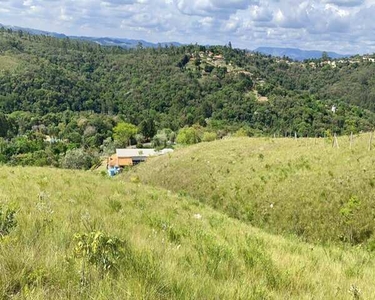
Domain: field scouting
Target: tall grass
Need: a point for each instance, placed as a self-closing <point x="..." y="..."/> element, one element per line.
<point x="303" y="187"/>
<point x="72" y="228"/>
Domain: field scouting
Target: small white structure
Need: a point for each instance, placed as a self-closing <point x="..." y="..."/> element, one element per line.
<point x="141" y="152"/>
<point x="130" y="157"/>
<point x="334" y="108"/>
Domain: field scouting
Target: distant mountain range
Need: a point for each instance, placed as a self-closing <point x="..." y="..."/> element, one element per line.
<point x="293" y="53"/>
<point x="104" y="41"/>
<point x="297" y="54"/>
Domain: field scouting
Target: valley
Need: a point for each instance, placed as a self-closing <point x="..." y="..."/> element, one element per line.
<point x="264" y="190"/>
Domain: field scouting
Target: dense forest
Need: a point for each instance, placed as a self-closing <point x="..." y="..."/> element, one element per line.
<point x="61" y="95"/>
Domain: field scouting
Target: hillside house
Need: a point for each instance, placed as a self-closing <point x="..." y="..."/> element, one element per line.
<point x="312" y="65"/>
<point x="131" y="157"/>
<point x="369" y="59"/>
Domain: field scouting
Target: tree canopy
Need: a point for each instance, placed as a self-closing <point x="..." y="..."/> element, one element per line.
<point x="61" y="94"/>
<point x="123" y="132"/>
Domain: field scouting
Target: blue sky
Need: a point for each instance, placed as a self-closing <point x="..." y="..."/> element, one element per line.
<point x="344" y="26"/>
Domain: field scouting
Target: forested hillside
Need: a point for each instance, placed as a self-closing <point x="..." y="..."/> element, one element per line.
<point x="76" y="93"/>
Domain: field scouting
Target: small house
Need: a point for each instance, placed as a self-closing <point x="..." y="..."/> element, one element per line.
<point x="131" y="157"/>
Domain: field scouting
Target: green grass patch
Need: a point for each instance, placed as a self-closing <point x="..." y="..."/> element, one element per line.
<point x="79" y="235"/>
<point x="8" y="63"/>
<point x="302" y="187"/>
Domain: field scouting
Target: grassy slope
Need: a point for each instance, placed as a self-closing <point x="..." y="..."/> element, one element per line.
<point x="302" y="187"/>
<point x="7" y="62"/>
<point x="173" y="254"/>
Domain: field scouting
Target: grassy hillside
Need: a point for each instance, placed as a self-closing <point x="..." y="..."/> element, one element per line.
<point x="147" y="243"/>
<point x="7" y="63"/>
<point x="303" y="187"/>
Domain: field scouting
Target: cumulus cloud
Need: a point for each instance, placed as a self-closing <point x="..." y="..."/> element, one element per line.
<point x="339" y="25"/>
<point x="220" y="8"/>
<point x="346" y="2"/>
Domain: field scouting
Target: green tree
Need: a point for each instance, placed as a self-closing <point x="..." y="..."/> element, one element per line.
<point x="325" y="56"/>
<point x="147" y="128"/>
<point x="79" y="159"/>
<point x="188" y="136"/>
<point x="123" y="133"/>
<point x="108" y="147"/>
<point x="4" y="126"/>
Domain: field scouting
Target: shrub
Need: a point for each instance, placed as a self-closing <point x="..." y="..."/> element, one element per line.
<point x="100" y="250"/>
<point x="79" y="159"/>
<point x="7" y="220"/>
<point x="241" y="132"/>
<point x="209" y="136"/>
<point x="108" y="147"/>
<point x="159" y="141"/>
<point x="348" y="212"/>
<point x="189" y="136"/>
<point x="38" y="158"/>
<point x="348" y="209"/>
<point x="163" y="138"/>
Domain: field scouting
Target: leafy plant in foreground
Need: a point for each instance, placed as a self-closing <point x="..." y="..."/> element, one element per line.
<point x="348" y="212"/>
<point x="7" y="220"/>
<point x="100" y="250"/>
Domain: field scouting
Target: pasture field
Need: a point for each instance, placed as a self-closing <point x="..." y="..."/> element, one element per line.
<point x="80" y="235"/>
<point x="302" y="187"/>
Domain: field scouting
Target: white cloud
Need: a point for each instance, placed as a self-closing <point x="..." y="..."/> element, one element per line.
<point x="349" y="3"/>
<point x="339" y="25"/>
<point x="219" y="8"/>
